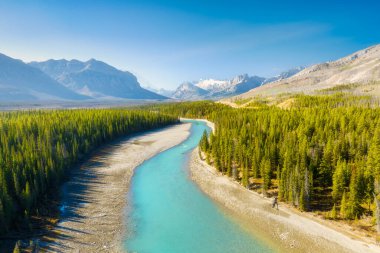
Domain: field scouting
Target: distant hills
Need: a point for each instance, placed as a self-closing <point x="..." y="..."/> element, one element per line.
<point x="67" y="80"/>
<point x="358" y="73"/>
<point x="217" y="89"/>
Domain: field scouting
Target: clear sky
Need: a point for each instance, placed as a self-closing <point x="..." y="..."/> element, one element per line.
<point x="167" y="42"/>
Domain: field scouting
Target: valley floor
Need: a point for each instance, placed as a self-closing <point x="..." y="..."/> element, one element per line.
<point x="286" y="230"/>
<point x="95" y="197"/>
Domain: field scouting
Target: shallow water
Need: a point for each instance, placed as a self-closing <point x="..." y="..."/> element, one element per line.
<point x="169" y="214"/>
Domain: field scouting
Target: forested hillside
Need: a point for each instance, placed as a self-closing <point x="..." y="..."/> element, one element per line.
<point x="37" y="149"/>
<point x="322" y="153"/>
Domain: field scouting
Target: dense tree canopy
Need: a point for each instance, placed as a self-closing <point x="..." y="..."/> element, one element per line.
<point x="37" y="148"/>
<point x="323" y="152"/>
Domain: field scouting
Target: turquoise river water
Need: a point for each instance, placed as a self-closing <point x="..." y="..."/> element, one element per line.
<point x="169" y="214"/>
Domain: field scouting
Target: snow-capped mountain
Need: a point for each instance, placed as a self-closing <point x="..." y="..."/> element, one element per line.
<point x="244" y="83"/>
<point x="284" y="75"/>
<point x="214" y="89"/>
<point x="21" y="82"/>
<point x="213" y="85"/>
<point x="188" y="91"/>
<point x="95" y="79"/>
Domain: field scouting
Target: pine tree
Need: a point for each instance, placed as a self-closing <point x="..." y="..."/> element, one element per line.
<point x="339" y="181"/>
<point x="304" y="192"/>
<point x="204" y="145"/>
<point x="325" y="169"/>
<point x="266" y="174"/>
<point x="302" y="202"/>
<point x="373" y="163"/>
<point x="343" y="206"/>
<point x="333" y="214"/>
<point x="354" y="202"/>
<point x="283" y="189"/>
<point x="245" y="177"/>
<point x="27" y="197"/>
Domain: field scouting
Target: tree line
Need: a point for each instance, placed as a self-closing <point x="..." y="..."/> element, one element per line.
<point x="322" y="153"/>
<point x="38" y="148"/>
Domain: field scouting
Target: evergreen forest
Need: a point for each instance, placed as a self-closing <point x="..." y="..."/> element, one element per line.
<point x="322" y="153"/>
<point x="38" y="149"/>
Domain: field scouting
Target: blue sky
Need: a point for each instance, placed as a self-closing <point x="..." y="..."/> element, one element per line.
<point x="167" y="42"/>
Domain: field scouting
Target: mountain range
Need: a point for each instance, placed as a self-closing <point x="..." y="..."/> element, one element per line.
<point x="21" y="82"/>
<point x="67" y="80"/>
<point x="358" y="73"/>
<point x="217" y="89"/>
<point x="95" y="79"/>
<point x="85" y="80"/>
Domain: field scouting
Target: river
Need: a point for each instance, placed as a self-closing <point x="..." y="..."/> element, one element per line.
<point x="167" y="213"/>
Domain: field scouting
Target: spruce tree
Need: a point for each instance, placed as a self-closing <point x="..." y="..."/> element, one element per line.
<point x="343" y="206"/>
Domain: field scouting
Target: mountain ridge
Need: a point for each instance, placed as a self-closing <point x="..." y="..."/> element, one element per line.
<point x="19" y="81"/>
<point x="95" y="78"/>
<point x="218" y="89"/>
<point x="361" y="68"/>
<point x="189" y="91"/>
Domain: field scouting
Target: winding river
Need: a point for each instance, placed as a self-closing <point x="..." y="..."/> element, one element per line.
<point x="169" y="214"/>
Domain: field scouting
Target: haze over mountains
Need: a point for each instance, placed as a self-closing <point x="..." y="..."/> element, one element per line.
<point x="67" y="80"/>
<point x="160" y="91"/>
<point x="20" y="82"/>
<point x="95" y="79"/>
<point x="358" y="73"/>
<point x="77" y="80"/>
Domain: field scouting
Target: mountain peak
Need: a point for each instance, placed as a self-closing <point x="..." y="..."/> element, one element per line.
<point x="20" y="81"/>
<point x="239" y="79"/>
<point x="216" y="89"/>
<point x="100" y="66"/>
<point x="95" y="78"/>
<point x="189" y="91"/>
